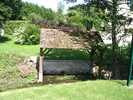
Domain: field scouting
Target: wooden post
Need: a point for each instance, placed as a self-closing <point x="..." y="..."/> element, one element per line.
<point x="41" y="65"/>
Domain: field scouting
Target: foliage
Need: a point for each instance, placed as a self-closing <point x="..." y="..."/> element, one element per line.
<point x="91" y="16"/>
<point x="106" y="13"/>
<point x="23" y="32"/>
<point x="35" y="18"/>
<point x="59" y="20"/>
<point x="39" y="14"/>
<point x="16" y="6"/>
<point x="11" y="25"/>
<point x="74" y="17"/>
<point x="27" y="34"/>
<point x="28" y="9"/>
<point x="5" y="13"/>
<point x="10" y="9"/>
<point x="66" y="54"/>
<point x="122" y="55"/>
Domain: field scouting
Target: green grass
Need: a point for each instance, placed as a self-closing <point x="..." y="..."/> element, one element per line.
<point x="31" y="50"/>
<point x="21" y="50"/>
<point x="89" y="90"/>
<point x="10" y="77"/>
<point x="12" y="54"/>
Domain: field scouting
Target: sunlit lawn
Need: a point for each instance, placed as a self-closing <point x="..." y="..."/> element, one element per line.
<point x="22" y="50"/>
<point x="89" y="90"/>
<point x="33" y="50"/>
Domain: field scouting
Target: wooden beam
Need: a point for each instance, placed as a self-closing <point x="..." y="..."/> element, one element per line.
<point x="41" y="65"/>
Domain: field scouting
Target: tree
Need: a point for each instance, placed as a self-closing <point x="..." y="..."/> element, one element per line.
<point x="116" y="21"/>
<point x="91" y="16"/>
<point x="114" y="41"/>
<point x="28" y="9"/>
<point x="60" y="7"/>
<point x="9" y="9"/>
<point x="16" y="6"/>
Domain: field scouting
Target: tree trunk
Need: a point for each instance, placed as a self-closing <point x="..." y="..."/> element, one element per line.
<point x="114" y="40"/>
<point x="92" y="53"/>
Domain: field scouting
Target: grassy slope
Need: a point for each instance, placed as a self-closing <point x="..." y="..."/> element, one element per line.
<point x="12" y="54"/>
<point x="89" y="90"/>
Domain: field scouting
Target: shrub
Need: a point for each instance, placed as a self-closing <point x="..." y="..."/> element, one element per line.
<point x="11" y="25"/>
<point x="34" y="18"/>
<point x="76" y="19"/>
<point x="28" y="34"/>
<point x="122" y="55"/>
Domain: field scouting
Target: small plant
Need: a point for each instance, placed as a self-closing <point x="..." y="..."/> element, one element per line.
<point x="27" y="34"/>
<point x="11" y="25"/>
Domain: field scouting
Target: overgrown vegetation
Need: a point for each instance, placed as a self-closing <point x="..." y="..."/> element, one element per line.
<point x="9" y="75"/>
<point x="11" y="55"/>
<point x="10" y="26"/>
<point x="23" y="32"/>
<point x="27" y="34"/>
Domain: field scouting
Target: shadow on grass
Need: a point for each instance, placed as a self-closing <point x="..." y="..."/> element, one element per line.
<point x="121" y="82"/>
<point x="60" y="79"/>
<point x="50" y="79"/>
<point x="4" y="39"/>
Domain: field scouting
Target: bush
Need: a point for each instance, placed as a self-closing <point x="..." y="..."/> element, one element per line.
<point x="11" y="25"/>
<point x="76" y="19"/>
<point x="34" y="18"/>
<point x="103" y="55"/>
<point x="28" y="34"/>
